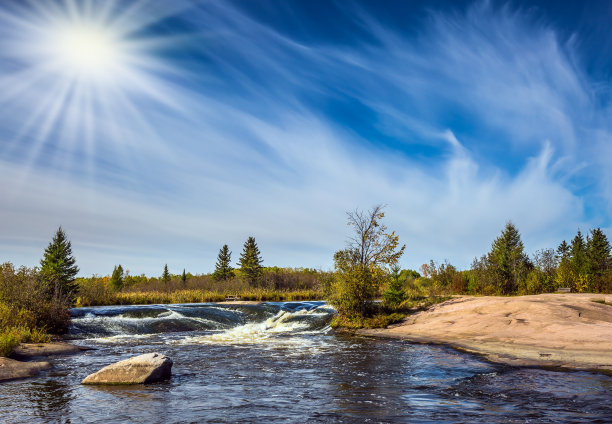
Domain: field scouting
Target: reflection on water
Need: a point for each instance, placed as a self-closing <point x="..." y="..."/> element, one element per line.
<point x="291" y="369"/>
<point x="50" y="396"/>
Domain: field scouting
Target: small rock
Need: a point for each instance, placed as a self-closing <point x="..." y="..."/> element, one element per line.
<point x="147" y="368"/>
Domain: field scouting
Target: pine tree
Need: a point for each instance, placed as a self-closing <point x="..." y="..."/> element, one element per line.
<point x="223" y="267"/>
<point x="564" y="275"/>
<point x="184" y="277"/>
<point x="166" y="275"/>
<point x="250" y="262"/>
<point x="116" y="280"/>
<point x="395" y="294"/>
<point x="563" y="251"/>
<point x="598" y="257"/>
<point x="509" y="260"/>
<point x="578" y="255"/>
<point x="58" y="267"/>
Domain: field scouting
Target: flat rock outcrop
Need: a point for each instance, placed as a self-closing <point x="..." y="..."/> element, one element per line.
<point x="33" y="350"/>
<point x="556" y="330"/>
<point x="11" y="369"/>
<point x="147" y="368"/>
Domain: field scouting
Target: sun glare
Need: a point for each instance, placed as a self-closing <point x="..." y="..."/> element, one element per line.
<point x="87" y="50"/>
<point x="80" y="69"/>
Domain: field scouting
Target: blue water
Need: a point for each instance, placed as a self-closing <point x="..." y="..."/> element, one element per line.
<point x="281" y="363"/>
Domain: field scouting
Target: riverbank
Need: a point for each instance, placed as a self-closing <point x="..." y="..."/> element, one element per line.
<point x="569" y="331"/>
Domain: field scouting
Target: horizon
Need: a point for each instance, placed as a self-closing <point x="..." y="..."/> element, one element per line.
<point x="156" y="133"/>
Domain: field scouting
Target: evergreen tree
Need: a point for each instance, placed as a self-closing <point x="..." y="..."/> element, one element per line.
<point x="58" y="266"/>
<point x="184" y="277"/>
<point x="509" y="261"/>
<point x="563" y="251"/>
<point x="223" y="267"/>
<point x="116" y="280"/>
<point x="578" y="255"/>
<point x="395" y="294"/>
<point x="250" y="262"/>
<point x="166" y="275"/>
<point x="598" y="257"/>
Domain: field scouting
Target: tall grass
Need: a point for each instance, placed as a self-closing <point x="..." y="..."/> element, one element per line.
<point x="277" y="284"/>
<point x="198" y="296"/>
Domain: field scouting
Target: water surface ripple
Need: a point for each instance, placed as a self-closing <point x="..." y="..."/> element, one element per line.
<point x="279" y="362"/>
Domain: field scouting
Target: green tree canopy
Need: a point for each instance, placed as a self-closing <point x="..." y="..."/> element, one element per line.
<point x="184" y="277"/>
<point x="363" y="266"/>
<point x="166" y="275"/>
<point x="395" y="293"/>
<point x="578" y="255"/>
<point x="563" y="251"/>
<point x="116" y="280"/>
<point x="598" y="258"/>
<point x="58" y="266"/>
<point x="509" y="261"/>
<point x="223" y="267"/>
<point x="250" y="262"/>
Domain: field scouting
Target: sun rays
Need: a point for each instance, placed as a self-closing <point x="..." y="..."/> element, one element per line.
<point x="77" y="71"/>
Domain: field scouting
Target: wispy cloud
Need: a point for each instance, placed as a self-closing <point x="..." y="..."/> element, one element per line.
<point x="480" y="116"/>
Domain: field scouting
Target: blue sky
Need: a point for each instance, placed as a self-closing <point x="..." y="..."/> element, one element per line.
<point x="155" y="132"/>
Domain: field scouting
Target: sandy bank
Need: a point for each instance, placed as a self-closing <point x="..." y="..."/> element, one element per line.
<point x="13" y="368"/>
<point x="555" y="330"/>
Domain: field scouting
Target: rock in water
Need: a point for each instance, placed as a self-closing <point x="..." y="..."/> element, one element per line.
<point x="147" y="368"/>
<point x="12" y="370"/>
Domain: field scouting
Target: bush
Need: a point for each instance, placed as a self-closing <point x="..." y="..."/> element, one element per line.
<point x="16" y="326"/>
<point x="29" y="294"/>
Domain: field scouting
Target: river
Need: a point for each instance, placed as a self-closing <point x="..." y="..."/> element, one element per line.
<point x="280" y="362"/>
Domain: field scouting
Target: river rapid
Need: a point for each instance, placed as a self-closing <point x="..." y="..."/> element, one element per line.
<point x="281" y="362"/>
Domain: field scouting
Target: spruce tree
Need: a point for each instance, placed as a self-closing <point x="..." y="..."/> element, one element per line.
<point x="509" y="260"/>
<point x="578" y="255"/>
<point x="250" y="262"/>
<point x="223" y="267"/>
<point x="166" y="274"/>
<point x="598" y="257"/>
<point x="564" y="275"/>
<point x="563" y="250"/>
<point x="58" y="267"/>
<point x="116" y="280"/>
<point x="395" y="294"/>
<point x="184" y="277"/>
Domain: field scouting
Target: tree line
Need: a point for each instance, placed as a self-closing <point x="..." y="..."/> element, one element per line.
<point x="36" y="301"/>
<point x="367" y="269"/>
<point x="250" y="268"/>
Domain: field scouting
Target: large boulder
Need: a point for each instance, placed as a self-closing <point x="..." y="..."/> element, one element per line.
<point x="147" y="368"/>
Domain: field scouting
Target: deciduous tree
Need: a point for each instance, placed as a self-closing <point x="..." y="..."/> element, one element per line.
<point x="363" y="266"/>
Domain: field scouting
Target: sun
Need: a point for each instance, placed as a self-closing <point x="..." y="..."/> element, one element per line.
<point x="76" y="74"/>
<point x="86" y="49"/>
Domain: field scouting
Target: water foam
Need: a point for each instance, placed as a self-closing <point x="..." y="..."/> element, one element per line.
<point x="277" y="329"/>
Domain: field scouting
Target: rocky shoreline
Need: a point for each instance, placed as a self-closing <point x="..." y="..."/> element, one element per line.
<point x="561" y="331"/>
<point x="22" y="362"/>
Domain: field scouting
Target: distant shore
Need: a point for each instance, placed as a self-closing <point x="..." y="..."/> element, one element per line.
<point x="568" y="331"/>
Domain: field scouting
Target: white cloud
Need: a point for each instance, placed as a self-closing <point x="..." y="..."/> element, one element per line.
<point x="273" y="166"/>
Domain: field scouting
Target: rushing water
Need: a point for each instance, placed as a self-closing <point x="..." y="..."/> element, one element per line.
<point x="279" y="362"/>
